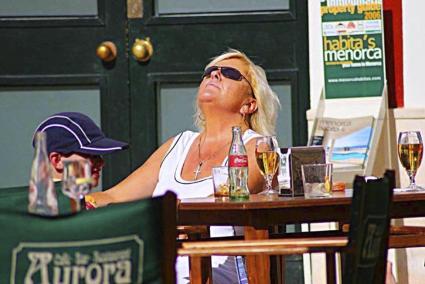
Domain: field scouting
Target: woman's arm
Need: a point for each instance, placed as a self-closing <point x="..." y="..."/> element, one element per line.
<point x="139" y="184"/>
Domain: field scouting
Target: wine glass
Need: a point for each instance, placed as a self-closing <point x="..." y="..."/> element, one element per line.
<point x="76" y="180"/>
<point x="410" y="150"/>
<point x="266" y="153"/>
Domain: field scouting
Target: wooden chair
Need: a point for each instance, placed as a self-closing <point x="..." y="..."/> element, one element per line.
<point x="365" y="249"/>
<point x="366" y="252"/>
<point x="124" y="243"/>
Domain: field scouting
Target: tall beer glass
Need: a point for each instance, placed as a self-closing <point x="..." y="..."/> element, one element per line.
<point x="76" y="181"/>
<point x="410" y="151"/>
<point x="268" y="160"/>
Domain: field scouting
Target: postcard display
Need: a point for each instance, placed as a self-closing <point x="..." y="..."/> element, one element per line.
<point x="354" y="71"/>
<point x="350" y="119"/>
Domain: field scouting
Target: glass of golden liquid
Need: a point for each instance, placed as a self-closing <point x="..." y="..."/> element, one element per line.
<point x="410" y="151"/>
<point x="268" y="160"/>
<point x="76" y="181"/>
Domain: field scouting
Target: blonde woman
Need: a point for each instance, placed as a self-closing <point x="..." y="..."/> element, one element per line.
<point x="233" y="92"/>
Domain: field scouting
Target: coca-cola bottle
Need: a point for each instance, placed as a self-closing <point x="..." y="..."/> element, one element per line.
<point x="238" y="167"/>
<point x="42" y="195"/>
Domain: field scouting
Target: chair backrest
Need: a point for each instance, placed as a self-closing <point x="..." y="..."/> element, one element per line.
<point x="124" y="243"/>
<point x="366" y="255"/>
<point x="16" y="198"/>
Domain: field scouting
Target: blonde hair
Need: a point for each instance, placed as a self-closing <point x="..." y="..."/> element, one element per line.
<point x="263" y="120"/>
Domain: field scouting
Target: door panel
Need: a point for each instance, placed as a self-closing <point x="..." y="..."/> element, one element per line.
<point x="58" y="50"/>
<point x="22" y="109"/>
<point x="284" y="125"/>
<point x="169" y="7"/>
<point x="176" y="106"/>
<point x="55" y="49"/>
<point x="173" y="101"/>
<point x="185" y="42"/>
<point x="225" y="11"/>
<point x="43" y="8"/>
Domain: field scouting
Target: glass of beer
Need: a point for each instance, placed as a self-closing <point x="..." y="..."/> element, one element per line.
<point x="76" y="181"/>
<point x="410" y="151"/>
<point x="268" y="159"/>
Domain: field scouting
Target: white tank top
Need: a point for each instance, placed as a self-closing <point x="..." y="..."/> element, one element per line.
<point x="171" y="167"/>
<point x="170" y="179"/>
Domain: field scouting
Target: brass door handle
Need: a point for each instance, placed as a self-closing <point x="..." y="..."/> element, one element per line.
<point x="142" y="49"/>
<point x="107" y="51"/>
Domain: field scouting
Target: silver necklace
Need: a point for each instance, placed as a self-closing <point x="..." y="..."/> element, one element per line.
<point x="201" y="162"/>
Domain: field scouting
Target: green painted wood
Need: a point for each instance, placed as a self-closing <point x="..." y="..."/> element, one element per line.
<point x="184" y="45"/>
<point x="143" y="250"/>
<point x="365" y="258"/>
<point x="16" y="199"/>
<point x="59" y="52"/>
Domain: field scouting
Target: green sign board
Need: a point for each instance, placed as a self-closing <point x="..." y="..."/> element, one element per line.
<point x="96" y="261"/>
<point x="117" y="244"/>
<point x="353" y="50"/>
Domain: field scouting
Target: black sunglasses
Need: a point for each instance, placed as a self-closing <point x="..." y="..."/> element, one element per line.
<point x="228" y="72"/>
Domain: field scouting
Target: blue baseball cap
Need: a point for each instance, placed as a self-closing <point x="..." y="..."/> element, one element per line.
<point x="74" y="132"/>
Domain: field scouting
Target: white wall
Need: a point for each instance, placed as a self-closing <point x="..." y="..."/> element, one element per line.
<point x="413" y="49"/>
<point x="316" y="52"/>
<point x="414" y="57"/>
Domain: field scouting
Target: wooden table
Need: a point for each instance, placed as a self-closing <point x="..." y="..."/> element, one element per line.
<point x="260" y="212"/>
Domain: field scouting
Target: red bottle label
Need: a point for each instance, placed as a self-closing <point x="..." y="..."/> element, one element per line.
<point x="238" y="161"/>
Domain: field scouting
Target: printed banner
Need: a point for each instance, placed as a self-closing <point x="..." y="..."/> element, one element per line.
<point x="353" y="50"/>
<point x="115" y="260"/>
<point x="121" y="243"/>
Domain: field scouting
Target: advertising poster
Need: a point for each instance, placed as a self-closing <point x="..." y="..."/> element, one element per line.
<point x="346" y="141"/>
<point x="353" y="50"/>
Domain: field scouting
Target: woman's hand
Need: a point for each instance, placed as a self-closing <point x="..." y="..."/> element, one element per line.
<point x="90" y="202"/>
<point x="96" y="199"/>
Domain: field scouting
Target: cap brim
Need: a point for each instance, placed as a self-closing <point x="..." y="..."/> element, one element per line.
<point x="103" y="146"/>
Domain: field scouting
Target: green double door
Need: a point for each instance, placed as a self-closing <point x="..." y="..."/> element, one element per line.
<point x="48" y="63"/>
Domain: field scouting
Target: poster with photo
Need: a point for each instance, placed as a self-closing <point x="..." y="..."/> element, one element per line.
<point x="346" y="141"/>
<point x="353" y="49"/>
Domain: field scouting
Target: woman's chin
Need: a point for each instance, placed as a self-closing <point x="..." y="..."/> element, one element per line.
<point x="206" y="98"/>
<point x="209" y="92"/>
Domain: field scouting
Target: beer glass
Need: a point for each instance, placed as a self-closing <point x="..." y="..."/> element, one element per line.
<point x="410" y="151"/>
<point x="76" y="180"/>
<point x="267" y="160"/>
